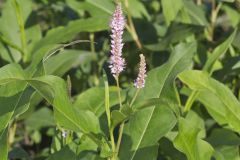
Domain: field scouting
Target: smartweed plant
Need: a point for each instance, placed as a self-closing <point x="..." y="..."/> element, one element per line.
<point x="183" y="104"/>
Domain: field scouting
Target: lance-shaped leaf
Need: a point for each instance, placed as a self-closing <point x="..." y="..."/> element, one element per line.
<point x="201" y="81"/>
<point x="189" y="138"/>
<point x="54" y="90"/>
<point x="147" y="126"/>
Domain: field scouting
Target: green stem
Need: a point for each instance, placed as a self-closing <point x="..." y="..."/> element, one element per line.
<point x="107" y="108"/>
<point x="9" y="43"/>
<point x="22" y="30"/>
<point x="190" y="101"/>
<point x="134" y="98"/>
<point x="131" y="28"/>
<point x="122" y="124"/>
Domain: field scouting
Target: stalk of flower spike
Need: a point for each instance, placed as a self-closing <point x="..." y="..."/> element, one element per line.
<point x="117" y="62"/>
<point x="140" y="81"/>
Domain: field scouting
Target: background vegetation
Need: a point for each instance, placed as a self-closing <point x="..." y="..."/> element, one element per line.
<point x="70" y="39"/>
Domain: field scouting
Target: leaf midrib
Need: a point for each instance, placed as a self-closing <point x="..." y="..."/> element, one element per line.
<point x="167" y="75"/>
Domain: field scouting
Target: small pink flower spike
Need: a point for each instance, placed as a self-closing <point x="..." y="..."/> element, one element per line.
<point x="117" y="63"/>
<point x="140" y="81"/>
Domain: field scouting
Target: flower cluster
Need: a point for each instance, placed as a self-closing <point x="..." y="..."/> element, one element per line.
<point x="117" y="63"/>
<point x="140" y="81"/>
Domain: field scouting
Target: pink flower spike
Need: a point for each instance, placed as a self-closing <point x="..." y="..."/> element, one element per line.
<point x="117" y="63"/>
<point x="140" y="81"/>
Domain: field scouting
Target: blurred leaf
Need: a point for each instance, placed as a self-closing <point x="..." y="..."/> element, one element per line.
<point x="230" y="138"/>
<point x="228" y="0"/>
<point x="175" y="33"/>
<point x="197" y="15"/>
<point x="227" y="153"/>
<point x="232" y="14"/>
<point x="63" y="154"/>
<point x="189" y="140"/>
<point x="67" y="59"/>
<point x="218" y="51"/>
<point x="18" y="153"/>
<point x="170" y="11"/>
<point x="201" y="81"/>
<point x="3" y="145"/>
<point x="104" y="5"/>
<point x="137" y="9"/>
<point x="147" y="126"/>
<point x="40" y="118"/>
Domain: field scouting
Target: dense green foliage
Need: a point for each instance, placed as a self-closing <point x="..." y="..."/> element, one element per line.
<point x="56" y="86"/>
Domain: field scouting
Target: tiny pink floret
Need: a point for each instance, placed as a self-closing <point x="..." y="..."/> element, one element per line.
<point x="117" y="24"/>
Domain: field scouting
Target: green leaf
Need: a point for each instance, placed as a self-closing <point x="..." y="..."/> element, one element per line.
<point x="40" y="118"/>
<point x="170" y="11"/>
<point x="93" y="100"/>
<point x="67" y="59"/>
<point x="64" y="34"/>
<point x="208" y="67"/>
<point x="201" y="81"/>
<point x="227" y="152"/>
<point x="105" y="5"/>
<point x="231" y="1"/>
<point x="230" y="138"/>
<point x="54" y="90"/>
<point x="3" y="145"/>
<point x="117" y="118"/>
<point x="137" y="9"/>
<point x="147" y="126"/>
<point x="189" y="140"/>
<point x="14" y="94"/>
<point x="218" y="51"/>
<point x="210" y="101"/>
<point x="196" y="14"/>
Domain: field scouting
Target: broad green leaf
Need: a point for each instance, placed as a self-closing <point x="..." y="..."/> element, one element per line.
<point x="147" y="126"/>
<point x="14" y="96"/>
<point x="201" y="81"/>
<point x="93" y="100"/>
<point x="212" y="103"/>
<point x="54" y="90"/>
<point x="189" y="140"/>
<point x="170" y="11"/>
